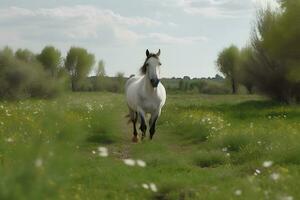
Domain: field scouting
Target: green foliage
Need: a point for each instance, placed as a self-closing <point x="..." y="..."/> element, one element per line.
<point x="100" y="71"/>
<point x="227" y="63"/>
<point x="21" y="76"/>
<point x="212" y="87"/>
<point x="51" y="60"/>
<point x="25" y="55"/>
<point x="244" y="69"/>
<point x="271" y="64"/>
<point x="78" y="63"/>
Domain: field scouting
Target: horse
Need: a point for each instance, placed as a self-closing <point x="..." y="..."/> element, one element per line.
<point x="145" y="95"/>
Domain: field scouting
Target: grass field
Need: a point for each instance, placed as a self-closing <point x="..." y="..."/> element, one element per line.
<point x="206" y="147"/>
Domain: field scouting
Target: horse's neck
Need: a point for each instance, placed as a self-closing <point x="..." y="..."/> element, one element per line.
<point x="147" y="85"/>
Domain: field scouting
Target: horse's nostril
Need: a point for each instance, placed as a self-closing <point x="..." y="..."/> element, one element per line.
<point x="154" y="82"/>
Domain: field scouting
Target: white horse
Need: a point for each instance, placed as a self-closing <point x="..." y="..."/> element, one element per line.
<point x="145" y="95"/>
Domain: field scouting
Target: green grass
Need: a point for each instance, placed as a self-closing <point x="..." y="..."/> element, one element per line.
<point x="206" y="147"/>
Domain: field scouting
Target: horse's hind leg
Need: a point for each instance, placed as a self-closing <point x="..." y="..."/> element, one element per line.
<point x="133" y="116"/>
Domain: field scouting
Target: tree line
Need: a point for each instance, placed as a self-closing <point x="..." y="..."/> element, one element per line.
<point x="270" y="63"/>
<point x="46" y="74"/>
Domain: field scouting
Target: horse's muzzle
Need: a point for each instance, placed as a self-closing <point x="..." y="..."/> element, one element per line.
<point x="154" y="82"/>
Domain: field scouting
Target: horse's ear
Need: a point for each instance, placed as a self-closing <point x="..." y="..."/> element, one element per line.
<point x="158" y="53"/>
<point x="147" y="53"/>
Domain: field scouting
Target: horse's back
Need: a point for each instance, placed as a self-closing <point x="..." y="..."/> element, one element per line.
<point x="129" y="81"/>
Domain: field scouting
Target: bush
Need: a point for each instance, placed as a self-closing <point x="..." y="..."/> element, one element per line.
<point x="21" y="77"/>
<point x="212" y="87"/>
<point x="275" y="69"/>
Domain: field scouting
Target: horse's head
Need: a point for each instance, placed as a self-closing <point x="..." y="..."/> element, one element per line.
<point x="151" y="67"/>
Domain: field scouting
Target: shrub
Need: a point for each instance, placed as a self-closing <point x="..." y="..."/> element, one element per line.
<point x="21" y="77"/>
<point x="275" y="71"/>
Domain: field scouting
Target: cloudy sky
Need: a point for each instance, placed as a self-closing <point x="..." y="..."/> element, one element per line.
<point x="190" y="33"/>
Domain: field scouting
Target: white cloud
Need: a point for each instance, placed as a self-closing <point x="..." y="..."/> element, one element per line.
<point x="69" y="23"/>
<point x="168" y="39"/>
<point x="220" y="8"/>
<point x="78" y="11"/>
<point x="86" y="24"/>
<point x="172" y="24"/>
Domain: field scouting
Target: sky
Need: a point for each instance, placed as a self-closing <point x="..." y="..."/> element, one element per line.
<point x="190" y="33"/>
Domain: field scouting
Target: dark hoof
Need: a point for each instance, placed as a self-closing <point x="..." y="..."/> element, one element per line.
<point x="135" y="139"/>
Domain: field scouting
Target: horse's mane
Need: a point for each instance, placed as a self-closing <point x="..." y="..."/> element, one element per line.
<point x="143" y="69"/>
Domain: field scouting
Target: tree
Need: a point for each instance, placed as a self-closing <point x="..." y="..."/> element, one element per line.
<point x="100" y="69"/>
<point x="25" y="55"/>
<point x="78" y="63"/>
<point x="244" y="69"/>
<point x="51" y="59"/>
<point x="227" y="64"/>
<point x="275" y="41"/>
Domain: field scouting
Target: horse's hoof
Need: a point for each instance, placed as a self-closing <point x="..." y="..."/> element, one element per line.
<point x="135" y="139"/>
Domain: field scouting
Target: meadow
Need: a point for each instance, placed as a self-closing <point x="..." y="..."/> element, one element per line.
<point x="78" y="146"/>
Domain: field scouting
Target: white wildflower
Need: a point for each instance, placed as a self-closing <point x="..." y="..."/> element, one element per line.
<point x="238" y="192"/>
<point x="251" y="125"/>
<point x="267" y="163"/>
<point x="259" y="142"/>
<point x="94" y="152"/>
<point x="38" y="162"/>
<point x="103" y="154"/>
<point x="89" y="107"/>
<point x="9" y="140"/>
<point x="257" y="172"/>
<point x="225" y="149"/>
<point x="145" y="186"/>
<point x="129" y="162"/>
<point x="141" y="163"/>
<point x="287" y="198"/>
<point x="153" y="187"/>
<point x="102" y="149"/>
<point x="275" y="176"/>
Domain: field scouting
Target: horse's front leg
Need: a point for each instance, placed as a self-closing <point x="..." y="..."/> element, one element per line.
<point x="152" y="123"/>
<point x="143" y="126"/>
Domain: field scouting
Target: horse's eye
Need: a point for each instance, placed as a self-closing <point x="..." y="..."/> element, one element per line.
<point x="159" y="63"/>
